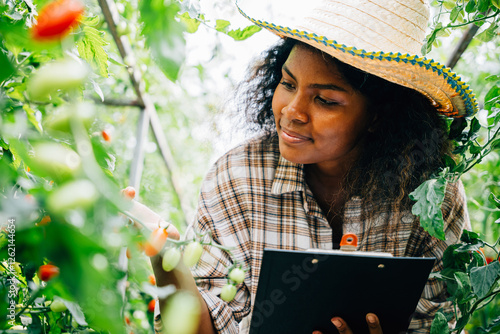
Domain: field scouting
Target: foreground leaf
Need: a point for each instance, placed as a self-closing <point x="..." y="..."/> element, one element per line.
<point x="439" y="324"/>
<point x="429" y="197"/>
<point x="90" y="48"/>
<point x="483" y="278"/>
<point x="164" y="35"/>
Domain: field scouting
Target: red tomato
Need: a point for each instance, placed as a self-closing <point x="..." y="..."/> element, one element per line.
<point x="156" y="241"/>
<point x="129" y="192"/>
<point x="151" y="305"/>
<point x="47" y="271"/>
<point x="44" y="221"/>
<point x="152" y="279"/>
<point x="56" y="19"/>
<point x="106" y="136"/>
<point x="127" y="320"/>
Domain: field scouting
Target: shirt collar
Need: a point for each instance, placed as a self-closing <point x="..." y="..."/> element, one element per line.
<point x="289" y="177"/>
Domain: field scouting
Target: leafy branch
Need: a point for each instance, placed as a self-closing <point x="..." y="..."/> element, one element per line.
<point x="471" y="282"/>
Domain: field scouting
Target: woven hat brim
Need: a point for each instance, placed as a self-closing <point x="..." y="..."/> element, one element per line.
<point x="450" y="95"/>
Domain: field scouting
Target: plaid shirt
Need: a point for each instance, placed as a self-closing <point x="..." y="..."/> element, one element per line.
<point x="252" y="198"/>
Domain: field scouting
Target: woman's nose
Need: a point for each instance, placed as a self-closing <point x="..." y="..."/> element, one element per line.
<point x="296" y="109"/>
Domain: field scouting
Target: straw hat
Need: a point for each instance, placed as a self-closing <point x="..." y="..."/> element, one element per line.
<point x="384" y="38"/>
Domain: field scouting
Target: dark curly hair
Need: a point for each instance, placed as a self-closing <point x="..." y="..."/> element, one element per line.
<point x="405" y="147"/>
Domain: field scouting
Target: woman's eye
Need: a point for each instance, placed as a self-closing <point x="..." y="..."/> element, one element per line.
<point x="287" y="85"/>
<point x="326" y="102"/>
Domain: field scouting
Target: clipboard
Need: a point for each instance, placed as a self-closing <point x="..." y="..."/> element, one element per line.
<point x="300" y="291"/>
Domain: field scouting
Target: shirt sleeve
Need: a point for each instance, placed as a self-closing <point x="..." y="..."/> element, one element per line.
<point x="221" y="210"/>
<point x="456" y="219"/>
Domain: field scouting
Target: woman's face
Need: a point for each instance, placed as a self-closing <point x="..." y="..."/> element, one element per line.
<point x="319" y="117"/>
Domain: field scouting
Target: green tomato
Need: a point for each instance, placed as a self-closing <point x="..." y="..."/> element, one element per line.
<point x="79" y="194"/>
<point x="59" y="120"/>
<point x="237" y="275"/>
<point x="55" y="160"/>
<point x="58" y="306"/>
<point x="182" y="313"/>
<point x="228" y="292"/>
<point x="62" y="75"/>
<point x="171" y="258"/>
<point x="192" y="253"/>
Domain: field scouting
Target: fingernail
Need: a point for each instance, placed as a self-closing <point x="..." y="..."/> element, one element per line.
<point x="337" y="323"/>
<point x="371" y="319"/>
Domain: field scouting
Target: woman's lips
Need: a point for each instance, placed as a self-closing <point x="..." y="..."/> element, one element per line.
<point x="293" y="137"/>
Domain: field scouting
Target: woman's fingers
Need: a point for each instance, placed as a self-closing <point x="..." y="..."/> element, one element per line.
<point x="371" y="320"/>
<point x="341" y="325"/>
<point x="373" y="324"/>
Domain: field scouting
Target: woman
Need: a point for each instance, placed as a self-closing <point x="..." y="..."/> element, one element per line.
<point x="350" y="128"/>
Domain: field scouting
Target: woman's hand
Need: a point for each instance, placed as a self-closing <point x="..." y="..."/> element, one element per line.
<point x="343" y="327"/>
<point x="146" y="216"/>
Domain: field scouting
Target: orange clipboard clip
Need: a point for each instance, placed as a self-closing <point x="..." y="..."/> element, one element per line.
<point x="349" y="242"/>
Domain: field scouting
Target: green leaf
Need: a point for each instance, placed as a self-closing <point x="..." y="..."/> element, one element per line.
<point x="90" y="48"/>
<point x="164" y="35"/>
<point x="439" y="324"/>
<point x="471" y="6"/>
<point x="75" y="311"/>
<point x="449" y="162"/>
<point x="474" y="126"/>
<point x="483" y="5"/>
<point x="30" y="112"/>
<point x="457" y="127"/>
<point x="483" y="278"/>
<point x="471" y="237"/>
<point x="239" y="35"/>
<point x="463" y="287"/>
<point x="495" y="200"/>
<point x="491" y="97"/>
<point x="454" y="260"/>
<point x="222" y="25"/>
<point x="191" y="24"/>
<point x="474" y="149"/>
<point x="493" y="327"/>
<point x="455" y="12"/>
<point x="492" y="77"/>
<point x="488" y="34"/>
<point x="6" y="68"/>
<point x="429" y="197"/>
